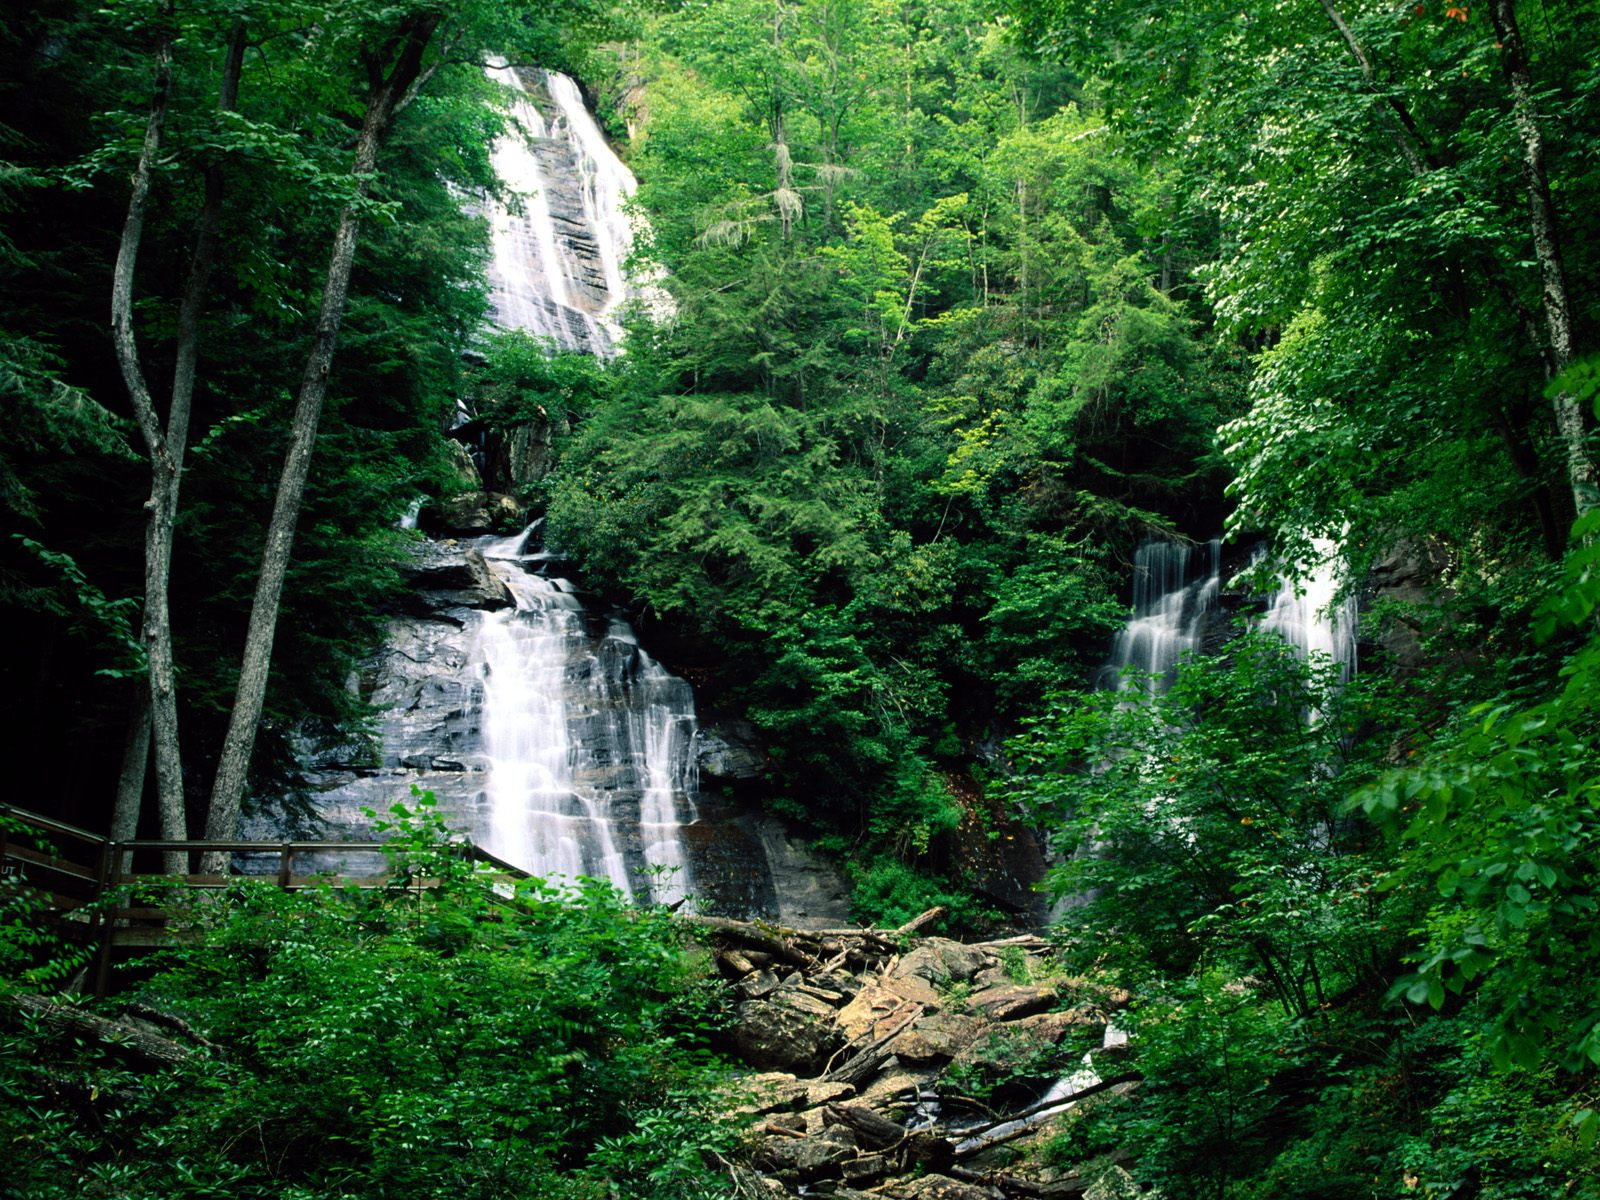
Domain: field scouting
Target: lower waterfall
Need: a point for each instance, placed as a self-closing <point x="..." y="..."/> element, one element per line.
<point x="1175" y="594"/>
<point x="542" y="729"/>
<point x="588" y="742"/>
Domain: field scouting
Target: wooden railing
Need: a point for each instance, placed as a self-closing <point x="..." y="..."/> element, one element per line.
<point x="86" y="880"/>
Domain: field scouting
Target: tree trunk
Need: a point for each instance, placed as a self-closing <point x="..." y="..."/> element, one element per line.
<point x="135" y="766"/>
<point x="159" y="717"/>
<point x="222" y="823"/>
<point x="1401" y="125"/>
<point x="1571" y="425"/>
<point x="158" y="512"/>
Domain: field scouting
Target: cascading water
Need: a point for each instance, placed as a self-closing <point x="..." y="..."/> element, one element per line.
<point x="544" y="732"/>
<point x="559" y="260"/>
<point x="589" y="742"/>
<point x="1175" y="591"/>
<point x="1305" y="614"/>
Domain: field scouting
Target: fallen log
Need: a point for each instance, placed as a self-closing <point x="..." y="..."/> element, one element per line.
<point x="1014" y="1127"/>
<point x="773" y="939"/>
<point x="865" y="1063"/>
<point x="139" y="1046"/>
<point x="873" y="1130"/>
<point x="918" y="921"/>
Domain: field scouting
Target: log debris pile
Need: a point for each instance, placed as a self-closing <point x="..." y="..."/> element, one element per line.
<point x="889" y="1065"/>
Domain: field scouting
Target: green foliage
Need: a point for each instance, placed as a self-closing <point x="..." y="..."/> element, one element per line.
<point x="888" y="893"/>
<point x="1498" y="819"/>
<point x="1201" y="825"/>
<point x="918" y="391"/>
<point x="450" y="1040"/>
<point x="31" y="955"/>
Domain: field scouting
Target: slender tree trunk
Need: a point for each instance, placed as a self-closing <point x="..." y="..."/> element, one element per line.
<point x="158" y="512"/>
<point x="1401" y="125"/>
<point x="1571" y="425"/>
<point x="159" y="716"/>
<point x="222" y="823"/>
<point x="135" y="766"/>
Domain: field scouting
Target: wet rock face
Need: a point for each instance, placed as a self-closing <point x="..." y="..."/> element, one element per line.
<point x="472" y="514"/>
<point x="430" y="689"/>
<point x="732" y="750"/>
<point x="446" y="576"/>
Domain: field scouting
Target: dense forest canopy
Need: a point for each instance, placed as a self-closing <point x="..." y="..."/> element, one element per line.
<point x="966" y="305"/>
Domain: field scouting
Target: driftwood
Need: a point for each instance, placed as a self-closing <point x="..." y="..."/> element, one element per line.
<point x="865" y="1063"/>
<point x="873" y="1131"/>
<point x="1030" y="1119"/>
<point x="139" y="1046"/>
<point x="917" y="922"/>
<point x="1069" y="1187"/>
<point x="772" y="939"/>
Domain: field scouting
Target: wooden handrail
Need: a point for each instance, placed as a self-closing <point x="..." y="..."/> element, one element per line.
<point x="250" y="847"/>
<point x="51" y="825"/>
<point x="107" y="869"/>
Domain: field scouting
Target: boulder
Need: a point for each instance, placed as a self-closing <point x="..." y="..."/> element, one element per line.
<point x="898" y="1083"/>
<point x="467" y="514"/>
<point x="937" y="1036"/>
<point x="1113" y="1184"/>
<point x="773" y="1091"/>
<point x="942" y="1187"/>
<point x="1053" y="1026"/>
<point x="942" y="962"/>
<point x="731" y="750"/>
<point x="808" y="1158"/>
<point x="448" y="575"/>
<point x="865" y="1170"/>
<point x="463" y="470"/>
<point x="877" y="1007"/>
<point x="787" y="1031"/>
<point x="757" y="985"/>
<point x="474" y="513"/>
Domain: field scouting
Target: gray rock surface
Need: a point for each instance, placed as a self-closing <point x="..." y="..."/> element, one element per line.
<point x="732" y="750"/>
<point x="787" y="1031"/>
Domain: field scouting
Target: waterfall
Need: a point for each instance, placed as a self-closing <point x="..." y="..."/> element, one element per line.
<point x="588" y="741"/>
<point x="560" y="253"/>
<point x="1175" y="591"/>
<point x="543" y="730"/>
<point x="1305" y="614"/>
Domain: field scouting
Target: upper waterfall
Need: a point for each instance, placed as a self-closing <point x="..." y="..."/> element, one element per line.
<point x="560" y="251"/>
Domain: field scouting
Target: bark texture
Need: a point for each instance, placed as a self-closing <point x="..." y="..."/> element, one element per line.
<point x="1571" y="425"/>
<point x="158" y="719"/>
<point x="158" y="508"/>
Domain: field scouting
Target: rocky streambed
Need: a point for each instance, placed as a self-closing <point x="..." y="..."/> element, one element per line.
<point x="882" y="1064"/>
